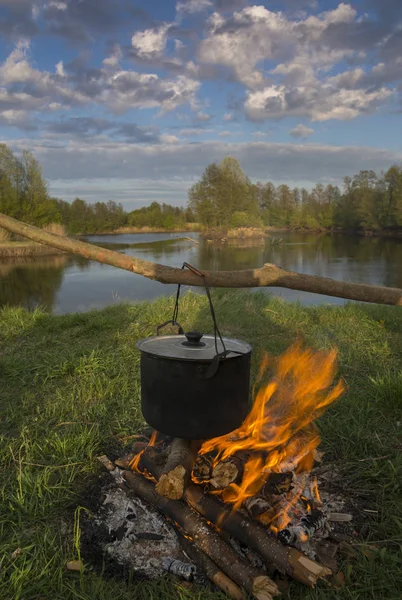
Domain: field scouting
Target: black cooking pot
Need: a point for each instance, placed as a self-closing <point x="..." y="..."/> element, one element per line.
<point x="194" y="386"/>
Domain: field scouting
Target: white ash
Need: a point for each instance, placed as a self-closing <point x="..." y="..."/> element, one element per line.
<point x="130" y="520"/>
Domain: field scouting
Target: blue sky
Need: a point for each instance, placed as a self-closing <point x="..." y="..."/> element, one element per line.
<point x="130" y="100"/>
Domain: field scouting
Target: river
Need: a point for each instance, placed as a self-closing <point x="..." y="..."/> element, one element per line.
<point x="65" y="284"/>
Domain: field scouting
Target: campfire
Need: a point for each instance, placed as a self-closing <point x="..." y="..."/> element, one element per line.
<point x="245" y="506"/>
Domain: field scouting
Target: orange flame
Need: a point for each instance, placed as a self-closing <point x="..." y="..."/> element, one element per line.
<point x="280" y="429"/>
<point x="136" y="460"/>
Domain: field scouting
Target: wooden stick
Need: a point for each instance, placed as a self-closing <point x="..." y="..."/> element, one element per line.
<point x="207" y="566"/>
<point x="288" y="561"/>
<point x="205" y="538"/>
<point x="266" y="276"/>
<point x="178" y="467"/>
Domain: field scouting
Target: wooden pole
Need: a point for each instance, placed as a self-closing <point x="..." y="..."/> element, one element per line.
<point x="266" y="276"/>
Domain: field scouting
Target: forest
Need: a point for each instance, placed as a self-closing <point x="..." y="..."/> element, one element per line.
<point x="226" y="198"/>
<point x="223" y="198"/>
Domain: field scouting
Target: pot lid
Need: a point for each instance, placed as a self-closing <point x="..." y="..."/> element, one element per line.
<point x="193" y="346"/>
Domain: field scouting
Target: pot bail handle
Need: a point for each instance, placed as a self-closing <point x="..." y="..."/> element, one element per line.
<point x="214" y="365"/>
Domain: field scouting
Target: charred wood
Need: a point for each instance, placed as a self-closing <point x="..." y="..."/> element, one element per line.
<point x="210" y="569"/>
<point x="302" y="532"/>
<point x="277" y="483"/>
<point x="205" y="538"/>
<point x="288" y="561"/>
<point x="202" y="470"/>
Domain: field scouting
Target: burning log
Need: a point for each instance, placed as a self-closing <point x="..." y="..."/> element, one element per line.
<point x="256" y="506"/>
<point x="207" y="566"/>
<point x="308" y="525"/>
<point x="288" y="561"/>
<point x="207" y="540"/>
<point x="228" y="471"/>
<point x="277" y="483"/>
<point x="202" y="470"/>
<point x="176" y="473"/>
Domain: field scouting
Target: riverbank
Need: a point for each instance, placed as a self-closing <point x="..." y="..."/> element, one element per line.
<point x="183" y="229"/>
<point x="26" y="249"/>
<point x="70" y="391"/>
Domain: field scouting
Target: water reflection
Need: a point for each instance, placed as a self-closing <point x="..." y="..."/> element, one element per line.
<point x="67" y="283"/>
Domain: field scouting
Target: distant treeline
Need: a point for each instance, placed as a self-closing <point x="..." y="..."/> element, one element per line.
<point x="223" y="198"/>
<point x="24" y="195"/>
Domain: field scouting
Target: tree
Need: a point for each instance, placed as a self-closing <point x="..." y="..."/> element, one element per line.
<point x="223" y="190"/>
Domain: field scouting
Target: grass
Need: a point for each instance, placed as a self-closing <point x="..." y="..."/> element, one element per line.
<point x="70" y="390"/>
<point x="19" y="247"/>
<point x="146" y="229"/>
<point x="26" y="249"/>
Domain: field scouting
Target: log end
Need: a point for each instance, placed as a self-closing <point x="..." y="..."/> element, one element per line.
<point x="264" y="588"/>
<point x="305" y="569"/>
<point x="171" y="485"/>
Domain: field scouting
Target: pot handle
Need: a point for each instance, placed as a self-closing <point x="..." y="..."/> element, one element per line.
<point x="180" y="330"/>
<point x="214" y="365"/>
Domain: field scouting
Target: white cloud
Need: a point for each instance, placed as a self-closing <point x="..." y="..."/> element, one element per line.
<point x="58" y="5"/>
<point x="169" y="139"/>
<point x="253" y="34"/>
<point x="41" y="88"/>
<point x="190" y="131"/>
<point x="203" y="117"/>
<point x="150" y="43"/>
<point x="60" y="69"/>
<point x="193" y="6"/>
<point x="225" y="133"/>
<point x="304" y="53"/>
<point x="114" y="57"/>
<point x="228" y="116"/>
<point x="320" y="102"/>
<point x="14" y="117"/>
<point x="118" y="90"/>
<point x="301" y="131"/>
<point x="129" y="89"/>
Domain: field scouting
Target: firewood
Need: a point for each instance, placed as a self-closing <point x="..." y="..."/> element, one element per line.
<point x="176" y="473"/>
<point x="277" y="483"/>
<point x="206" y="539"/>
<point x="302" y="532"/>
<point x="124" y="461"/>
<point x="288" y="561"/>
<point x="227" y="472"/>
<point x="340" y="517"/>
<point x="256" y="506"/>
<point x="209" y="568"/>
<point x="202" y="470"/>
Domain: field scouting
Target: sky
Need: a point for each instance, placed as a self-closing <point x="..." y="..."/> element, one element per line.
<point x="129" y="100"/>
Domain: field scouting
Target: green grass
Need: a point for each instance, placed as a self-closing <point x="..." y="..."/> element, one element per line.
<point x="69" y="390"/>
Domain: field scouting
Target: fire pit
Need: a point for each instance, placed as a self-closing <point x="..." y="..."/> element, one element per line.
<point x="245" y="506"/>
<point x="244" y="502"/>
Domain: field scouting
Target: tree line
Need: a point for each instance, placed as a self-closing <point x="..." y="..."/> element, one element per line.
<point x="226" y="198"/>
<point x="223" y="198"/>
<point x="24" y="195"/>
